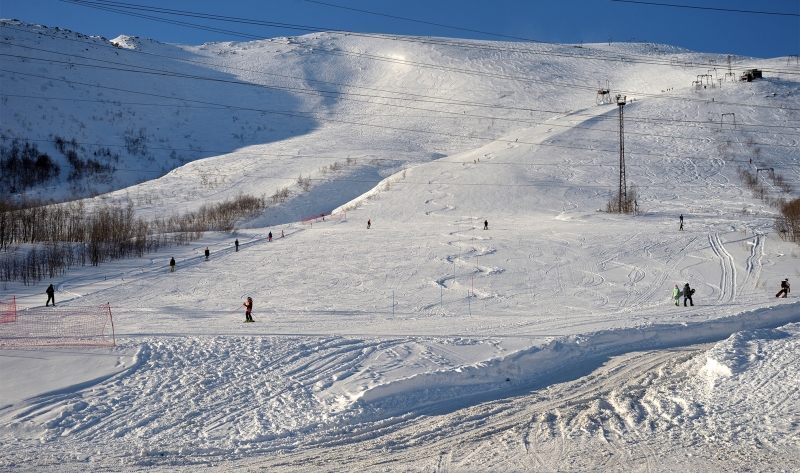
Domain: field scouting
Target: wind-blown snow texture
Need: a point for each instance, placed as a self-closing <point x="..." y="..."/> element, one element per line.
<point x="368" y="352"/>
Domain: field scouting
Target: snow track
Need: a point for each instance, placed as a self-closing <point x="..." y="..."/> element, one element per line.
<point x="727" y="284"/>
<point x="643" y="411"/>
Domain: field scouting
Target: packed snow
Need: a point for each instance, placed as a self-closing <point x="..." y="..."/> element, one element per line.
<point x="548" y="341"/>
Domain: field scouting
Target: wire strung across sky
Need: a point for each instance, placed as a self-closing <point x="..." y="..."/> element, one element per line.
<point x="696" y="7"/>
<point x="316" y="91"/>
<point x="125" y="9"/>
<point x="348" y="122"/>
<point x="520" y="79"/>
<point x="419" y="96"/>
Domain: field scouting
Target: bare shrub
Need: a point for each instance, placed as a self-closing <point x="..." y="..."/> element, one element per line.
<point x="628" y="205"/>
<point x="305" y="183"/>
<point x="788" y="224"/>
<point x="70" y="235"/>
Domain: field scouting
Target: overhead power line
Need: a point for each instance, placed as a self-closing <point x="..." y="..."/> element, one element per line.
<point x="694" y="7"/>
<point x="516" y="78"/>
<point x="450" y="160"/>
<point x="315" y="116"/>
<point x="124" y="8"/>
<point x="328" y="94"/>
<point x="488" y="33"/>
<point x="433" y="99"/>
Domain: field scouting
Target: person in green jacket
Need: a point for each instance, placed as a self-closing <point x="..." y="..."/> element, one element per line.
<point x="676" y="294"/>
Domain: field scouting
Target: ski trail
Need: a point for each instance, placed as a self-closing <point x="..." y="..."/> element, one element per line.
<point x="753" y="263"/>
<point x="727" y="285"/>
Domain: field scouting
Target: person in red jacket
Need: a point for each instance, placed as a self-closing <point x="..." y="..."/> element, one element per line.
<point x="248" y="317"/>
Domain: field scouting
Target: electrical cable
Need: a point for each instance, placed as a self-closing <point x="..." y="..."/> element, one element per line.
<point x="122" y="8"/>
<point x="341" y="95"/>
<point x="694" y="7"/>
<point x="103" y="6"/>
<point x="652" y="95"/>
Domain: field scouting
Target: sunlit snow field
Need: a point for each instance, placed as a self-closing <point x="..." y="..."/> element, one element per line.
<point x="546" y="342"/>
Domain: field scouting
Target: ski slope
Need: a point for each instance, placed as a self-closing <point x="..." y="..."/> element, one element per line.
<point x="426" y="343"/>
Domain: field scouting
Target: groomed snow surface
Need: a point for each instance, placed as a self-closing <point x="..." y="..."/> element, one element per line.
<point x="548" y="342"/>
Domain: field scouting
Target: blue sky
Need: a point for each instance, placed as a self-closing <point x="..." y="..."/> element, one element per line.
<point x="563" y="21"/>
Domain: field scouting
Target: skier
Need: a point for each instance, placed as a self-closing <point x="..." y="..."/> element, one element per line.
<point x="681" y="218"/>
<point x="172" y="265"/>
<point x="281" y="233"/>
<point x="369" y="224"/>
<point x="485" y="224"/>
<point x="236" y="243"/>
<point x="687" y="294"/>
<point x="784" y="289"/>
<point x="676" y="294"/>
<point x="269" y="237"/>
<point x="207" y="253"/>
<point x="51" y="295"/>
<point x="248" y="317"/>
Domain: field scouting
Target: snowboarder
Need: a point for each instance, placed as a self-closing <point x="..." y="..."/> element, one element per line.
<point x="676" y="294"/>
<point x="248" y="317"/>
<point x="681" y="219"/>
<point x="236" y="243"/>
<point x="281" y="233"/>
<point x="269" y="237"/>
<point x="51" y="295"/>
<point x="172" y="265"/>
<point x="485" y="224"/>
<point x="784" y="289"/>
<point x="207" y="253"/>
<point x="687" y="294"/>
<point x="369" y="224"/>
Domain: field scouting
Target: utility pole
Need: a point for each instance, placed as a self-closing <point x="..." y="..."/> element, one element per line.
<point x="623" y="191"/>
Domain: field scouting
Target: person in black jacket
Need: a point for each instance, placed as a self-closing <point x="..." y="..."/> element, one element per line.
<point x="51" y="295"/>
<point x="687" y="294"/>
<point x="207" y="253"/>
<point x="784" y="289"/>
<point x="172" y="265"/>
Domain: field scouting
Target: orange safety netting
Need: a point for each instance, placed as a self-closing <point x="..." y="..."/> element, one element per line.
<point x="55" y="326"/>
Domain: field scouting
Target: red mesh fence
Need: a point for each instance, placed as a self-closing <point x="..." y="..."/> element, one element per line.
<point x="8" y="310"/>
<point x="58" y="326"/>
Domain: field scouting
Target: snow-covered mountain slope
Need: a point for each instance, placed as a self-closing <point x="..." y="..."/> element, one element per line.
<point x="425" y="338"/>
<point x="280" y="108"/>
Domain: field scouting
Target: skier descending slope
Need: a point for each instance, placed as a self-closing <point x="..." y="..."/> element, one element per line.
<point x="248" y="317"/>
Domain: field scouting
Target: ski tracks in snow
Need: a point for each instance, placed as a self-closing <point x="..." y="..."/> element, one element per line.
<point x="727" y="281"/>
<point x="753" y="263"/>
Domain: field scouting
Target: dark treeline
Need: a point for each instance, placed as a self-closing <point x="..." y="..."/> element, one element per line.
<point x="22" y="166"/>
<point x="85" y="167"/>
<point x="70" y="234"/>
<point x="789" y="222"/>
